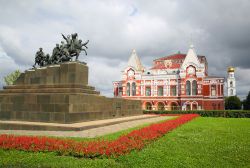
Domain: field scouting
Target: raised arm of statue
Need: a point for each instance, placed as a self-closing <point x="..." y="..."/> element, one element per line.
<point x="82" y="45"/>
<point x="86" y="42"/>
<point x="64" y="37"/>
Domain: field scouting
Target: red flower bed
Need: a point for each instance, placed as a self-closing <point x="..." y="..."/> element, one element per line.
<point x="135" y="140"/>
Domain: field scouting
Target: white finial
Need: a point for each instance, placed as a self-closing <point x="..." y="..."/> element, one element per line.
<point x="191" y="46"/>
<point x="133" y="51"/>
<point x="191" y="41"/>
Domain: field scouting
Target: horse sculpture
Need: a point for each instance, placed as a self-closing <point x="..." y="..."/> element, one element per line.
<point x="75" y="46"/>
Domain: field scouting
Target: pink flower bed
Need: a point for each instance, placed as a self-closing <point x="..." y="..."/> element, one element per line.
<point x="135" y="140"/>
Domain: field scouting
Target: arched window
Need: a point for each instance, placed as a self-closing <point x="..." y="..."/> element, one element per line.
<point x="128" y="89"/>
<point x="231" y="83"/>
<point x="188" y="107"/>
<point x="160" y="106"/>
<point x="194" y="106"/>
<point x="231" y="91"/>
<point x="148" y="106"/>
<point x="194" y="87"/>
<point x="174" y="106"/>
<point x="133" y="89"/>
<point x="188" y="88"/>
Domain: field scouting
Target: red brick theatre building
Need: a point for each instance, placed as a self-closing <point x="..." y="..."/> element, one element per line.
<point x="175" y="82"/>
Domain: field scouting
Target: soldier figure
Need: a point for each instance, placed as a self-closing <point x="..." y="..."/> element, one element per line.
<point x="64" y="49"/>
<point x="64" y="53"/>
<point x="39" y="59"/>
<point x="47" y="60"/>
<point x="56" y="54"/>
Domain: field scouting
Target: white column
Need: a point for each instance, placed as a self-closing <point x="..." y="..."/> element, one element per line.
<point x="168" y="87"/>
<point x="164" y="88"/>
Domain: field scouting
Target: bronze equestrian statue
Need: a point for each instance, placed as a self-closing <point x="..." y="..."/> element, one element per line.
<point x="62" y="53"/>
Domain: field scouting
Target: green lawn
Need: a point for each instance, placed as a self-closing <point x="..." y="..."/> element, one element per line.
<point x="203" y="142"/>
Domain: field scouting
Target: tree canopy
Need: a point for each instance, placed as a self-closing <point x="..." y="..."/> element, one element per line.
<point x="246" y="102"/>
<point x="232" y="103"/>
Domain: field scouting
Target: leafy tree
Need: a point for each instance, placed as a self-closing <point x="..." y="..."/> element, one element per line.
<point x="246" y="102"/>
<point x="12" y="77"/>
<point x="232" y="103"/>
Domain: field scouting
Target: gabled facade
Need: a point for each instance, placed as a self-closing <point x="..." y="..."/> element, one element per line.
<point x="175" y="82"/>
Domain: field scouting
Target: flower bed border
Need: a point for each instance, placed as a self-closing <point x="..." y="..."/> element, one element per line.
<point x="134" y="140"/>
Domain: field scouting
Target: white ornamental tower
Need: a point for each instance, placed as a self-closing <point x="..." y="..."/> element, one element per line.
<point x="231" y="85"/>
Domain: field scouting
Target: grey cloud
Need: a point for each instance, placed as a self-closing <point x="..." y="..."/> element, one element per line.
<point x="219" y="30"/>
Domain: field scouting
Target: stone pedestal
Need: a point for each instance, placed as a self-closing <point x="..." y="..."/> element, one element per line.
<point x="60" y="94"/>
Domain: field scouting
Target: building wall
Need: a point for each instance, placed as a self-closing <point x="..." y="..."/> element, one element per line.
<point x="206" y="98"/>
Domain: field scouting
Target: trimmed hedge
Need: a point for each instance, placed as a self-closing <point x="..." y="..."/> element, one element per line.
<point x="207" y="113"/>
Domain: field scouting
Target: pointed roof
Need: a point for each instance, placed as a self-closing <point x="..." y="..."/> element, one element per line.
<point x="191" y="57"/>
<point x="134" y="61"/>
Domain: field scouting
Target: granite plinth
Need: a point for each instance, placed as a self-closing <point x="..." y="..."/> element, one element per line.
<point x="60" y="94"/>
<point x="66" y="73"/>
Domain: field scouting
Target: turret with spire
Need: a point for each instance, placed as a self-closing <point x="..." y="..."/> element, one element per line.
<point x="135" y="62"/>
<point x="191" y="58"/>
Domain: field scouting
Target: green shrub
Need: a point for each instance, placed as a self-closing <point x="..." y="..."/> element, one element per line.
<point x="12" y="77"/>
<point x="207" y="113"/>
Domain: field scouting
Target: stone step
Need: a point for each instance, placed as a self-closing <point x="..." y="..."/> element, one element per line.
<point x="40" y="126"/>
<point x="49" y="86"/>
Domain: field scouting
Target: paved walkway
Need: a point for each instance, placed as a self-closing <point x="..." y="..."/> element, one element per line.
<point x="90" y="133"/>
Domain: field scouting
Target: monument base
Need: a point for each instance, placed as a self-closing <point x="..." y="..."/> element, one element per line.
<point x="60" y="94"/>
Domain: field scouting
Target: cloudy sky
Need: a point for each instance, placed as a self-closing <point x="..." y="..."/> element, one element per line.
<point x="219" y="29"/>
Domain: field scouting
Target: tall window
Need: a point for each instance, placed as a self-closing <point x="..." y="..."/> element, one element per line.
<point x="213" y="90"/>
<point x="116" y="92"/>
<point x="194" y="87"/>
<point x="160" y="91"/>
<point x="128" y="89"/>
<point x="133" y="89"/>
<point x="148" y="91"/>
<point x="188" y="88"/>
<point x="173" y="90"/>
<point x="222" y="89"/>
<point x="120" y="91"/>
